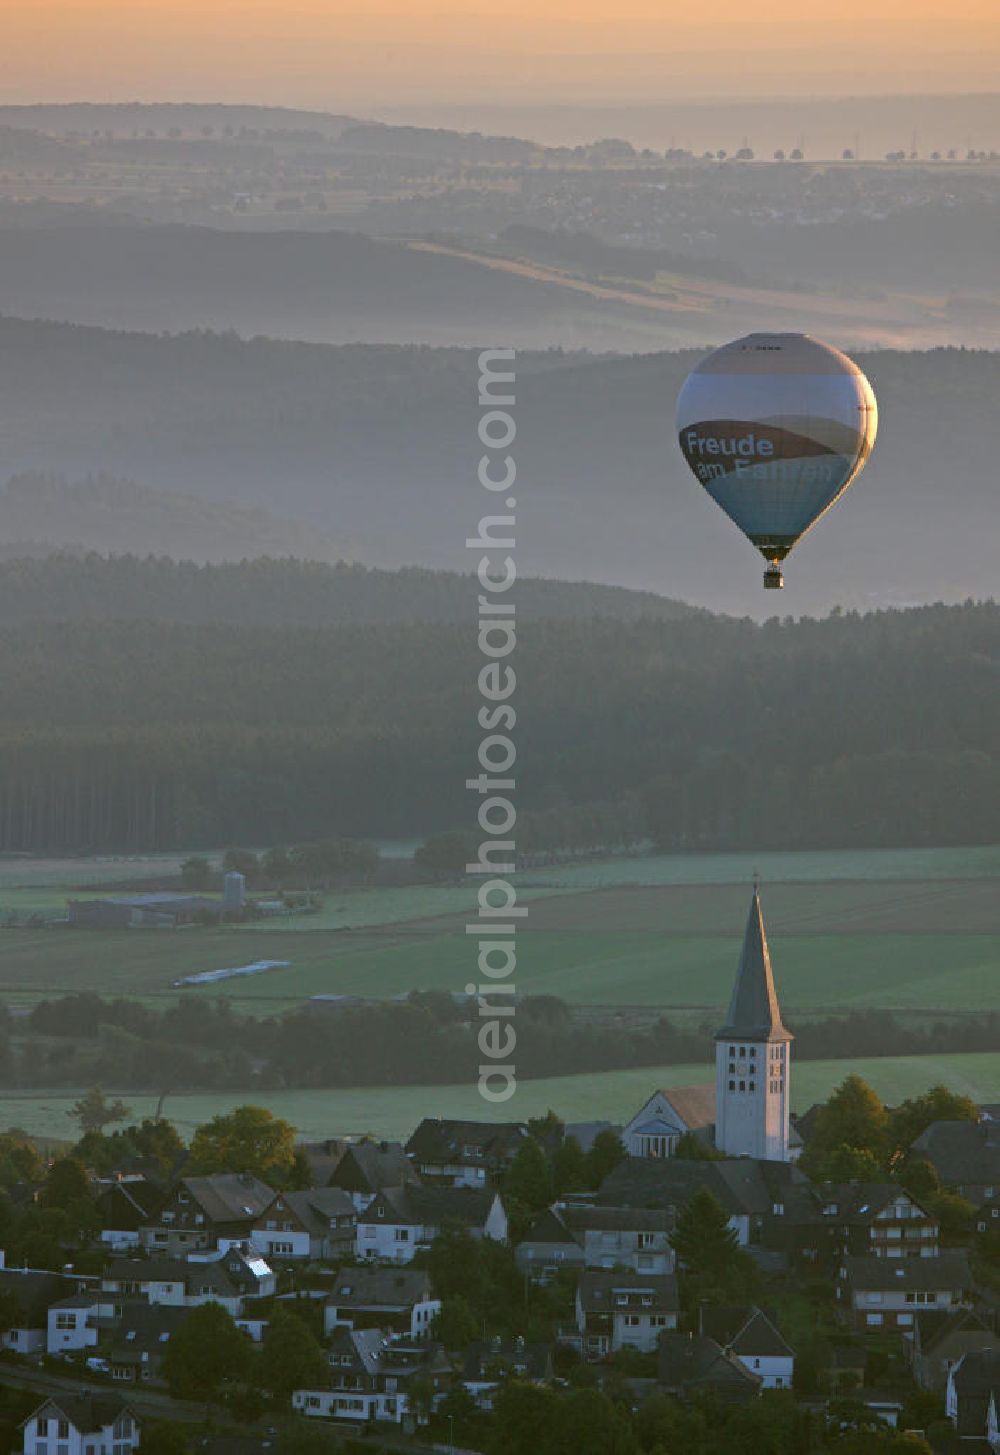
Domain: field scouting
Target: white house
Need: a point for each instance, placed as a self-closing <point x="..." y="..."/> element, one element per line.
<point x="86" y="1424"/>
<point x="33" y="1291"/>
<point x="400" y="1301"/>
<point x="624" y="1310"/>
<point x="400" y="1220"/>
<point x="371" y="1377"/>
<point x="754" y="1338"/>
<point x="311" y="1225"/>
<point x="886" y="1293"/>
<point x="568" y="1236"/>
<point x="73" y="1322"/>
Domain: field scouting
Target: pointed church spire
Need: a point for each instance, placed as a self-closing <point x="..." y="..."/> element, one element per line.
<point x="753" y="1010"/>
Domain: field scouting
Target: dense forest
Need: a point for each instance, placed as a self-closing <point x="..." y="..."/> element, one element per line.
<point x="283" y="592"/>
<point x="425" y="1040"/>
<point x="136" y="734"/>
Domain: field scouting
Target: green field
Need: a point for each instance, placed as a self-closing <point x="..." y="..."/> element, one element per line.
<point x="915" y="930"/>
<point x="776" y="867"/>
<point x="611" y="1096"/>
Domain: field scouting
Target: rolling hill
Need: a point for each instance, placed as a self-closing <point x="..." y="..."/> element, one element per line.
<point x="378" y="444"/>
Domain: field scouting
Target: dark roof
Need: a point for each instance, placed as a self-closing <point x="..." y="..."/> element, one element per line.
<point x="228" y="1197"/>
<point x="749" y="1331"/>
<point x="316" y="1206"/>
<point x="978" y="1372"/>
<point x="552" y="1226"/>
<point x="947" y="1271"/>
<point x="960" y="1152"/>
<point x="366" y="1166"/>
<point x="440" y="1139"/>
<point x="145" y="1328"/>
<point x="376" y="1352"/>
<point x="607" y="1218"/>
<point x="976" y="1378"/>
<point x="430" y="1206"/>
<point x="741" y="1184"/>
<point x="530" y="1361"/>
<point x="215" y="1273"/>
<point x="386" y="1288"/>
<point x="860" y="1203"/>
<point x="585" y="1132"/>
<point x="753" y="1009"/>
<point x="936" y="1327"/>
<point x="687" y="1361"/>
<point x="87" y="1413"/>
<point x="34" y="1292"/>
<point x="603" y="1292"/>
<point x="805" y="1121"/>
<point x="141" y="1196"/>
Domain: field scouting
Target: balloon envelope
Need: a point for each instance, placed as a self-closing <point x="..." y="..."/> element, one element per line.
<point x="775" y="427"/>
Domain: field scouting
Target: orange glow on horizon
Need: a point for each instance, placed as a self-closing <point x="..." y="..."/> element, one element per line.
<point x="334" y="55"/>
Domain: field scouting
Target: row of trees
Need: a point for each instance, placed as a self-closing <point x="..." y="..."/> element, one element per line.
<point x="427" y="1039"/>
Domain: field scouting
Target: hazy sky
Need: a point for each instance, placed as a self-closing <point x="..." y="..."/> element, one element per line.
<point x="363" y="56"/>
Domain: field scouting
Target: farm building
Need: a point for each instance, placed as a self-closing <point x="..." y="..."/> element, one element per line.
<point x="140" y="911"/>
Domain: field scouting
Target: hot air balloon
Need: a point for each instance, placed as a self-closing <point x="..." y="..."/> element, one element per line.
<point x="776" y="426"/>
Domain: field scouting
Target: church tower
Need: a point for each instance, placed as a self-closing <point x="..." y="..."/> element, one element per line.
<point x="752" y="1057"/>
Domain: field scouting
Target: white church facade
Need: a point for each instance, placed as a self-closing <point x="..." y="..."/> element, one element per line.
<point x="746" y="1114"/>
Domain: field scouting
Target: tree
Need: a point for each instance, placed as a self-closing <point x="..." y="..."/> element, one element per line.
<point x="852" y="1164"/>
<point x="717" y="1268"/>
<point x="606" y="1151"/>
<point x="913" y="1116"/>
<point x="94" y="1112"/>
<point x="702" y="1238"/>
<point x="569" y="1167"/>
<point x="196" y="873"/>
<point x="954" y="1215"/>
<point x="456" y="1325"/>
<point x="206" y="1352"/>
<point x="853" y="1116"/>
<point x="163" y="1438"/>
<point x="291" y="1357"/>
<point x="529" y="1178"/>
<point x="919" y="1177"/>
<point x="589" y="1424"/>
<point x="19" y="1161"/>
<point x="524" y="1418"/>
<point x="66" y="1184"/>
<point x="242" y="861"/>
<point x="306" y="1439"/>
<point x="667" y="1424"/>
<point x="690" y="1148"/>
<point x="11" y="1312"/>
<point x="446" y="855"/>
<point x="247" y="1139"/>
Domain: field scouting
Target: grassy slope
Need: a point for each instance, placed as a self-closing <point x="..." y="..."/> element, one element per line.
<point x="615" y="1096"/>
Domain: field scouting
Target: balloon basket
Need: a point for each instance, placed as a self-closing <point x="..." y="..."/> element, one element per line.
<point x="773" y="579"/>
